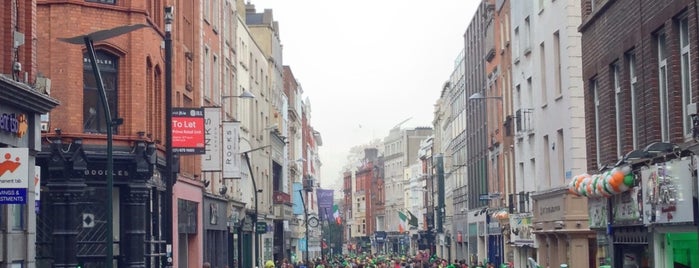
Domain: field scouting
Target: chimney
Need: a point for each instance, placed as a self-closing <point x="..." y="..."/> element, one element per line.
<point x="249" y="8"/>
<point x="371" y="154"/>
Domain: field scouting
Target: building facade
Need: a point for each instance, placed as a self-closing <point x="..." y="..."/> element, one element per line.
<point x="549" y="142"/>
<point x="24" y="104"/>
<point x="640" y="94"/>
<point x="75" y="153"/>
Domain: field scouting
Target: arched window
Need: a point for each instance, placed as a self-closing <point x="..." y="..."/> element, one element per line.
<point x="93" y="113"/>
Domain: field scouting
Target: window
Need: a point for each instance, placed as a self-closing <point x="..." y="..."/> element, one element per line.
<point x="541" y="6"/>
<point x="547" y="160"/>
<point x="207" y="73"/>
<point x="527" y="36"/>
<point x="207" y="10"/>
<point x="542" y="65"/>
<point x="560" y="148"/>
<point x="515" y="46"/>
<point x="103" y="1"/>
<point x="18" y="212"/>
<point x="686" y="74"/>
<point x="662" y="88"/>
<point x="634" y="99"/>
<point x="595" y="96"/>
<point x="93" y="112"/>
<point x="617" y="107"/>
<point x="557" y="64"/>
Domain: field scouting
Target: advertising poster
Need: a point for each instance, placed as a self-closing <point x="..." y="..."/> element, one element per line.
<point x="188" y="131"/>
<point x="667" y="192"/>
<point x="211" y="160"/>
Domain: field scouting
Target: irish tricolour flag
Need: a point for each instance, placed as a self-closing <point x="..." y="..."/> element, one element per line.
<point x="402" y="222"/>
<point x="336" y="214"/>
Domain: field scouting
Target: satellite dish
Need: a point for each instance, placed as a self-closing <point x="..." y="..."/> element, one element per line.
<point x="532" y="263"/>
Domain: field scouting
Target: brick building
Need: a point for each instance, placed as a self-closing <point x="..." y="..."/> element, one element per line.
<point x="368" y="201"/>
<point x="640" y="83"/>
<point x="74" y="158"/>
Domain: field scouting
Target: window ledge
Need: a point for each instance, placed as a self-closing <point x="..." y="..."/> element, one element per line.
<point x="559" y="97"/>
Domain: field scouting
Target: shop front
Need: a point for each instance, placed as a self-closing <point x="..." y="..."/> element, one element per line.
<point x="629" y="235"/>
<point x="21" y="109"/>
<point x="598" y="223"/>
<point x="668" y="193"/>
<point x="215" y="231"/>
<point x="560" y="223"/>
<point x="522" y="238"/>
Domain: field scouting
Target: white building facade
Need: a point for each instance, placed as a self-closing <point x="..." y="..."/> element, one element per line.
<point x="550" y="135"/>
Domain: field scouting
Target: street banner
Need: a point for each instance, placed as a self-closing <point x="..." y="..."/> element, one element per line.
<point x="325" y="203"/>
<point x="296" y="196"/>
<point x="232" y="161"/>
<point x="188" y="131"/>
<point x="37" y="188"/>
<point x="14" y="175"/>
<point x="211" y="160"/>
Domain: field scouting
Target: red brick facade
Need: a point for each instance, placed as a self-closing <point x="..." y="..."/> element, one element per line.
<point x="18" y="18"/>
<point x="611" y="32"/>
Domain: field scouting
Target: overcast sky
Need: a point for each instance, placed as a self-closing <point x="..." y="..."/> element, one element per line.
<point x="367" y="65"/>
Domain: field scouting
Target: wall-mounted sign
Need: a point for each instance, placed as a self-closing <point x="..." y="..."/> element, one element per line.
<point x="211" y="160"/>
<point x="667" y="192"/>
<point x="14" y="172"/>
<point x="188" y="131"/>
<point x="14" y="123"/>
<point x="231" y="150"/>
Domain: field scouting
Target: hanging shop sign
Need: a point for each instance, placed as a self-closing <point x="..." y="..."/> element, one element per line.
<point x="188" y="131"/>
<point x="211" y="160"/>
<point x="627" y="207"/>
<point x="667" y="192"/>
<point x="521" y="229"/>
<point x="232" y="161"/>
<point x="14" y="174"/>
<point x="597" y="208"/>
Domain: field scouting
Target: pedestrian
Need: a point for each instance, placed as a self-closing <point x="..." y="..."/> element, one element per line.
<point x="206" y="265"/>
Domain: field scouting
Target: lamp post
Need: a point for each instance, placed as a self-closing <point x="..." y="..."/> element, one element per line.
<point x="254" y="187"/>
<point x="89" y="40"/>
<point x="169" y="155"/>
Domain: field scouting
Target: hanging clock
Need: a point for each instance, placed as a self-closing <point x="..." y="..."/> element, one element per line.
<point x="313" y="222"/>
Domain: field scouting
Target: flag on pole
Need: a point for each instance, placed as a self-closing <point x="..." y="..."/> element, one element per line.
<point x="402" y="222"/>
<point x="336" y="214"/>
<point x="413" y="220"/>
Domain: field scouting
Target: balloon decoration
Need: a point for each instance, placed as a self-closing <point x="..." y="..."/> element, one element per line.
<point x="606" y="184"/>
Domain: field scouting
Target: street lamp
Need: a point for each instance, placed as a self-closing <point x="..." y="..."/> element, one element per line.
<point x="254" y="187"/>
<point x="479" y="96"/>
<point x="245" y="95"/>
<point x="89" y="40"/>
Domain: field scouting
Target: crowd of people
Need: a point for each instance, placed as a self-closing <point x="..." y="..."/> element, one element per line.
<point x="420" y="260"/>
